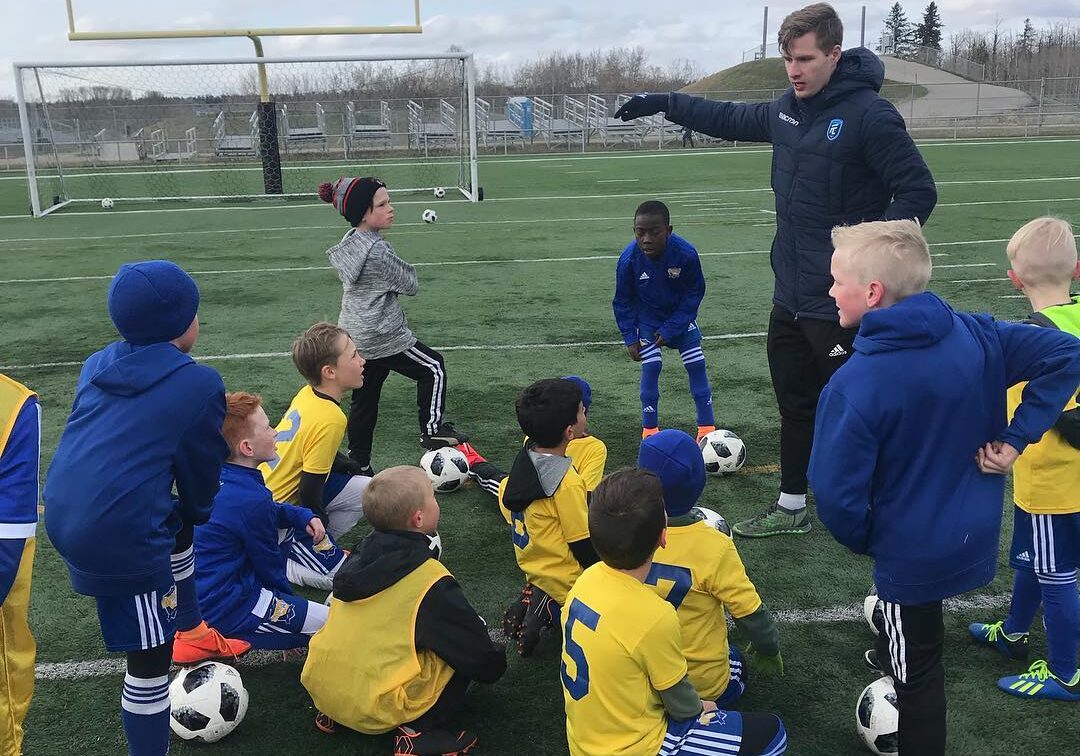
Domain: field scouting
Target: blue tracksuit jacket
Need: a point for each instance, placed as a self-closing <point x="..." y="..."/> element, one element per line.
<point x="662" y="295"/>
<point x="145" y="418"/>
<point x="893" y="466"/>
<point x="236" y="550"/>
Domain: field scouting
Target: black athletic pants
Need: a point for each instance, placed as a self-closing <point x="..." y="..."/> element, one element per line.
<point x="446" y="712"/>
<point x="910" y="645"/>
<point x="803" y="355"/>
<point x="419" y="362"/>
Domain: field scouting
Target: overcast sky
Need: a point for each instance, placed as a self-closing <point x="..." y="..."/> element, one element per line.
<point x="710" y="34"/>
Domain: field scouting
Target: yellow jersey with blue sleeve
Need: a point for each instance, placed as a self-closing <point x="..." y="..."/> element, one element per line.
<point x="1046" y="477"/>
<point x="621" y="647"/>
<point x="590" y="456"/>
<point x="700" y="572"/>
<point x="542" y="527"/>
<point x="308" y="438"/>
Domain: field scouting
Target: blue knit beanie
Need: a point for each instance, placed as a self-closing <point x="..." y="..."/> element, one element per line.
<point x="152" y="301"/>
<point x="677" y="461"/>
<point x="586" y="389"/>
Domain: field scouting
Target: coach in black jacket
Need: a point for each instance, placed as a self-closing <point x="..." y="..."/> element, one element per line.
<point x="841" y="155"/>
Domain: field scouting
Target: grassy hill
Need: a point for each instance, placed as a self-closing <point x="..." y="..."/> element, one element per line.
<point x="765" y="79"/>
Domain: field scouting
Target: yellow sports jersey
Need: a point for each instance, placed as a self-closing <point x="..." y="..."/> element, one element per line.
<point x="542" y="532"/>
<point x="621" y="646"/>
<point x="308" y="438"/>
<point x="699" y="573"/>
<point x="363" y="668"/>
<point x="1046" y="477"/>
<point x="589" y="455"/>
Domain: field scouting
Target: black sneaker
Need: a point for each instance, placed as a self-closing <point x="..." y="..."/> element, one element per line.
<point x="410" y="742"/>
<point x="445" y="436"/>
<point x="540" y="616"/>
<point x="870" y="658"/>
<point x="367" y="470"/>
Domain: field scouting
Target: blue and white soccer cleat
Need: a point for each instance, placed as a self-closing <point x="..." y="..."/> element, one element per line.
<point x="993" y="634"/>
<point x="1040" y="682"/>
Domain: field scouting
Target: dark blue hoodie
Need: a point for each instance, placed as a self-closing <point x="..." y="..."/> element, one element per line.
<point x="840" y="157"/>
<point x="893" y="466"/>
<point x="145" y="419"/>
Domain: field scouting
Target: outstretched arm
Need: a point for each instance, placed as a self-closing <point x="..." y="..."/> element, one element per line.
<point x="735" y="121"/>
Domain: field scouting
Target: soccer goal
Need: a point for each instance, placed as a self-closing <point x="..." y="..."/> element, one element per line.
<point x="243" y="130"/>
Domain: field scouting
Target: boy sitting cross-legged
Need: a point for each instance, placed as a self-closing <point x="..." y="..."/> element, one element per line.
<point x="699" y="572"/>
<point x="402" y="642"/>
<point x="624" y="676"/>
<point x="1046" y="487"/>
<point x="240" y="575"/>
<point x="308" y="469"/>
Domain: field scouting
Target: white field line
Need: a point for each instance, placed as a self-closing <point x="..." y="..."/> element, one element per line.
<point x="975" y="280"/>
<point x="1008" y="202"/>
<point x="458" y="348"/>
<point x="81" y="670"/>
<point x="967" y="265"/>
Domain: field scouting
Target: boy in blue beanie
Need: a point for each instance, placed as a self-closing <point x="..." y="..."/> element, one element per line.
<point x="701" y="573"/>
<point x="146" y="418"/>
<point x="911" y="445"/>
<point x="658" y="289"/>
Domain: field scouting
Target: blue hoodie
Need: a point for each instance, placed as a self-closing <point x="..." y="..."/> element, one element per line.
<point x="893" y="465"/>
<point x="145" y="418"/>
<point x="236" y="550"/>
<point x="657" y="295"/>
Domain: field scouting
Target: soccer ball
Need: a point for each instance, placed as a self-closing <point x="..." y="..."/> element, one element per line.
<point x="429" y="216"/>
<point x="873" y="610"/>
<point x="877" y="717"/>
<point x="435" y="544"/>
<point x="723" y="452"/>
<point x="447" y="468"/>
<point x="439" y="192"/>
<point x="208" y="702"/>
<point x="106" y="204"/>
<point x="713" y="518"/>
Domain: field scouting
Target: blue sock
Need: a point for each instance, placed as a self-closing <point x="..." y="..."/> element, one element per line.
<point x="1061" y="610"/>
<point x="651" y="364"/>
<point x="694" y="361"/>
<point x="1025" y="602"/>
<point x="145" y="711"/>
<point x="188" y="615"/>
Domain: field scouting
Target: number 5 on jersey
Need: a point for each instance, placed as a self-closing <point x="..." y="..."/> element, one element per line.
<point x="578" y="685"/>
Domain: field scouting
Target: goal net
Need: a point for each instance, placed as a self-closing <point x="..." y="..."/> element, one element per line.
<point x="243" y="130"/>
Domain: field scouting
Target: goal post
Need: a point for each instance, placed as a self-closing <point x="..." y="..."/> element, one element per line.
<point x="201" y="129"/>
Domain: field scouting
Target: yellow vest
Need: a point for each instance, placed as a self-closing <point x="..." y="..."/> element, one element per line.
<point x="13" y="396"/>
<point x="363" y="668"/>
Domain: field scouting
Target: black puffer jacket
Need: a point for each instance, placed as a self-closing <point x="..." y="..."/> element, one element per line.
<point x="840" y="157"/>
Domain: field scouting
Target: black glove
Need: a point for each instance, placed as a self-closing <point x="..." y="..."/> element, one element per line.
<point x="642" y="105"/>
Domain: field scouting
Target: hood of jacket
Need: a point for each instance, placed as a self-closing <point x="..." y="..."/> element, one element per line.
<point x="383" y="558"/>
<point x="858" y="68"/>
<point x="919" y="321"/>
<point x="533" y="476"/>
<point x="125" y="369"/>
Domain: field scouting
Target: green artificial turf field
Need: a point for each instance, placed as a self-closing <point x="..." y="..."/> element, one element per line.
<point x="514" y="289"/>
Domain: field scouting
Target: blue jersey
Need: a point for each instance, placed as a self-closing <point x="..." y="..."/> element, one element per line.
<point x="657" y="295"/>
<point x="236" y="550"/>
<point x="145" y="419"/>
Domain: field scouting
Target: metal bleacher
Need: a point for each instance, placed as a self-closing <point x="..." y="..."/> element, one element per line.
<point x="558" y="131"/>
<point x="297" y="136"/>
<point x="496" y="132"/>
<point x="423" y="134"/>
<point x="238" y="145"/>
<point x="164" y="151"/>
<point x="368" y="134"/>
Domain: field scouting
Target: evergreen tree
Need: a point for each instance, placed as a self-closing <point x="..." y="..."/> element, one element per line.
<point x="928" y="33"/>
<point x="1027" y="38"/>
<point x="898" y="29"/>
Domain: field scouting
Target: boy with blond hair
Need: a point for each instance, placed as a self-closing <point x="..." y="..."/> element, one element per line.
<point x="241" y="574"/>
<point x="1045" y="550"/>
<point x="699" y="572"/>
<point x="625" y="684"/>
<point x="308" y="469"/>
<point x="919" y="414"/>
<point x="402" y="642"/>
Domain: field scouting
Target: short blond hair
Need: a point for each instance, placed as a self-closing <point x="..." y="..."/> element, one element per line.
<point x="394" y="495"/>
<point x="316" y="348"/>
<point x="892" y="252"/>
<point x="1043" y="252"/>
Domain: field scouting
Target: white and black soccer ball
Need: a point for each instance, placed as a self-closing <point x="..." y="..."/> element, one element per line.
<point x="208" y="701"/>
<point x="435" y="544"/>
<point x="713" y="518"/>
<point x="723" y="452"/>
<point x="873" y="610"/>
<point x="447" y="468"/>
<point x="107" y="204"/>
<point x="430" y="216"/>
<point x="877" y="717"/>
<point x="439" y="192"/>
